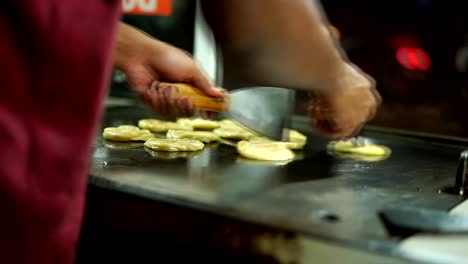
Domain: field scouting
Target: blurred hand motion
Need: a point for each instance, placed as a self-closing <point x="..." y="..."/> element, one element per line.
<point x="342" y="111"/>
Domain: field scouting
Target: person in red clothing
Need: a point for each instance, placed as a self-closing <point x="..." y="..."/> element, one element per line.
<point x="56" y="58"/>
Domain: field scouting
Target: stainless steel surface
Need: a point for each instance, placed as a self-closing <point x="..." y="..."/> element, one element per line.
<point x="462" y="173"/>
<point x="265" y="110"/>
<point x="438" y="248"/>
<point x="404" y="222"/>
<point x="459" y="188"/>
<point x="323" y="195"/>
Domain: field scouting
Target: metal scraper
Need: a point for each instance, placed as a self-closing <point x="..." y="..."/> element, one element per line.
<point x="264" y="110"/>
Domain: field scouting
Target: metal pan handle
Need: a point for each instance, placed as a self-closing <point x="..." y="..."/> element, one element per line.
<point x="462" y="173"/>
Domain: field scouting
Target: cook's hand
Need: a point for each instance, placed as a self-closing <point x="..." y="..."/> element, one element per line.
<point x="352" y="101"/>
<point x="162" y="102"/>
<point x="147" y="61"/>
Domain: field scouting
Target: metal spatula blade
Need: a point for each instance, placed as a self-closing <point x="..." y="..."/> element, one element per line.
<point x="264" y="110"/>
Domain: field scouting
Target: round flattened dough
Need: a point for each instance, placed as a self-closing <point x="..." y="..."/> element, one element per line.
<point x="233" y="133"/>
<point x="163" y="144"/>
<point x="231" y="124"/>
<point x="161" y="126"/>
<point x="294" y="145"/>
<point x="168" y="155"/>
<point x="296" y="136"/>
<point x="122" y="145"/>
<point x="199" y="123"/>
<point x="241" y="159"/>
<point x="341" y="146"/>
<point x="227" y="123"/>
<point x="128" y="127"/>
<point x="126" y="133"/>
<point x="367" y="149"/>
<point x="269" y="151"/>
<point x="203" y="136"/>
<point x="231" y="130"/>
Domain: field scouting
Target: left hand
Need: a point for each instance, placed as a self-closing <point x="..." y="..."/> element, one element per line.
<point x="352" y="100"/>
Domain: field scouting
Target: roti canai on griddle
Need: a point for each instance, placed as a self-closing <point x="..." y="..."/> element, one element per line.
<point x="296" y="136"/>
<point x="366" y="149"/>
<point x="296" y="141"/>
<point x="161" y="126"/>
<point x="230" y="130"/>
<point x="162" y="144"/>
<point x="198" y="123"/>
<point x="203" y="136"/>
<point x="126" y="133"/>
<point x="269" y="151"/>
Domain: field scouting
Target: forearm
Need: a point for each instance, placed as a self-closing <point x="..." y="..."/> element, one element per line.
<point x="276" y="42"/>
<point x="129" y="45"/>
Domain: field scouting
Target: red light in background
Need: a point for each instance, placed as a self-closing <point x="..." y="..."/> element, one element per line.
<point x="415" y="59"/>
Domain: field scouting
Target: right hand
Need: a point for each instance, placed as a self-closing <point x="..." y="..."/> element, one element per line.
<point x="147" y="62"/>
<point x="170" y="65"/>
<point x="340" y="112"/>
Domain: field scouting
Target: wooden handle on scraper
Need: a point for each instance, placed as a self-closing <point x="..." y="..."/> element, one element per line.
<point x="201" y="101"/>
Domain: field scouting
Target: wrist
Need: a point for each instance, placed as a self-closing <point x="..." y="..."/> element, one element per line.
<point x="131" y="44"/>
<point x="330" y="78"/>
<point x="347" y="79"/>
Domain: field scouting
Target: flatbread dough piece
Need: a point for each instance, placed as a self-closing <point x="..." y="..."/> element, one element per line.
<point x="294" y="145"/>
<point x="228" y="123"/>
<point x="296" y="141"/>
<point x="199" y="123"/>
<point x="231" y="130"/>
<point x="163" y="144"/>
<point x="169" y="155"/>
<point x="269" y="151"/>
<point x="296" y="136"/>
<point x="161" y="126"/>
<point x="122" y="145"/>
<point x="126" y="133"/>
<point x="231" y="124"/>
<point x="233" y="133"/>
<point x="366" y="149"/>
<point x="203" y="136"/>
<point x="287" y="144"/>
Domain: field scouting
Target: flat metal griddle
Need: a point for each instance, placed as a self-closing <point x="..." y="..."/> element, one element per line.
<point x="321" y="195"/>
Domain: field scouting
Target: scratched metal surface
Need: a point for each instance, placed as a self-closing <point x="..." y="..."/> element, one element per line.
<point x="319" y="194"/>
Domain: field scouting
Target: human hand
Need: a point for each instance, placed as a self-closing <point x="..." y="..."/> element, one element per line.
<point x="342" y="110"/>
<point x="147" y="62"/>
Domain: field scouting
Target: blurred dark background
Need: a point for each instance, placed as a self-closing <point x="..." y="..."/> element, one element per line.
<point x="417" y="50"/>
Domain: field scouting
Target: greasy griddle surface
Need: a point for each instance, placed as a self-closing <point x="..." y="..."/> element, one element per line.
<point x="319" y="194"/>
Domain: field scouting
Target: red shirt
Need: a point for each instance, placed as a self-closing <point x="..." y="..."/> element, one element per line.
<point x="54" y="67"/>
